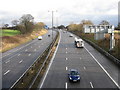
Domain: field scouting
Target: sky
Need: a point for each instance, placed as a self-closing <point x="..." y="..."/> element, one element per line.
<point x="65" y="11"/>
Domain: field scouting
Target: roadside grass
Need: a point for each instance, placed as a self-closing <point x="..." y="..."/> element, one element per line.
<point x="9" y="42"/>
<point x="116" y="31"/>
<point x="9" y="32"/>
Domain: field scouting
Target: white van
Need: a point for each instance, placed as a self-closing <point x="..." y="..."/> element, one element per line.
<point x="79" y="43"/>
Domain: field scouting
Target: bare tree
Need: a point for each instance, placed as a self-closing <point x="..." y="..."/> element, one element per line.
<point x="26" y="23"/>
<point x="15" y="22"/>
<point x="104" y="22"/>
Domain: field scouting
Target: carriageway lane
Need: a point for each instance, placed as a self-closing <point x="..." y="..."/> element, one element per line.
<point x="13" y="67"/>
<point x="68" y="57"/>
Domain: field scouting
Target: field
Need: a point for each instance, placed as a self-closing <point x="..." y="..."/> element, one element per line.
<point x="8" y="32"/>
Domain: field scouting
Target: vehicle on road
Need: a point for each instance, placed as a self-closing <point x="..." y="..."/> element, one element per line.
<point x="40" y="38"/>
<point x="79" y="43"/>
<point x="74" y="75"/>
<point x="71" y="35"/>
<point x="49" y="35"/>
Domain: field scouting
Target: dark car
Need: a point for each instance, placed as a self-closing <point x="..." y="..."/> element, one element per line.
<point x="74" y="75"/>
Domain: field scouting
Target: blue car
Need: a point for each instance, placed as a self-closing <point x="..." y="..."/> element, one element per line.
<point x="74" y="75"/>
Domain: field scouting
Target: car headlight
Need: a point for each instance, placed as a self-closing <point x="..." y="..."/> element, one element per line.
<point x="70" y="78"/>
<point x="78" y="77"/>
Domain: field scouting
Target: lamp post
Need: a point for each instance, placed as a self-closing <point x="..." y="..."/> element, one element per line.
<point x="52" y="20"/>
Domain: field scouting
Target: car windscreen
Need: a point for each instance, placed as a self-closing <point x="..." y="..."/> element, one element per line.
<point x="74" y="73"/>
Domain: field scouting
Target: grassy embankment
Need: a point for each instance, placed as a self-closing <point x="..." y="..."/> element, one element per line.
<point x="105" y="43"/>
<point x="12" y="38"/>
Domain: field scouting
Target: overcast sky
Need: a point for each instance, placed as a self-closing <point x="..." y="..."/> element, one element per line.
<point x="68" y="11"/>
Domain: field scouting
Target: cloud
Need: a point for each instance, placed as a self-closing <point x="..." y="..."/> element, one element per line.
<point x="68" y="10"/>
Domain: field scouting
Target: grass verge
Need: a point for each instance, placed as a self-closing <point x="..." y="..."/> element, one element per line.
<point x="9" y="42"/>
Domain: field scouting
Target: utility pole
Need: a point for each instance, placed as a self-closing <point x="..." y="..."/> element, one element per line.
<point x="52" y="21"/>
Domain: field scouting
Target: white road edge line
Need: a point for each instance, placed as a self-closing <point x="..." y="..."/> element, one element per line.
<point x="7" y="72"/>
<point x="91" y="85"/>
<point x="66" y="85"/>
<point x="103" y="69"/>
<point x="50" y="64"/>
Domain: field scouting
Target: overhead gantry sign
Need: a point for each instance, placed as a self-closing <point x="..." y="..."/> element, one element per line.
<point x="100" y="31"/>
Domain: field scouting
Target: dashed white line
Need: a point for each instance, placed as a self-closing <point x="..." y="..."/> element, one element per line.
<point x="29" y="54"/>
<point x="103" y="68"/>
<point x="66" y="48"/>
<point x="91" y="85"/>
<point x="66" y="85"/>
<point x="66" y="52"/>
<point x="34" y="49"/>
<point x="66" y="58"/>
<point x="18" y="54"/>
<point x="7" y="61"/>
<point x="21" y="61"/>
<point x="84" y="68"/>
<point x="7" y="72"/>
<point x="66" y="68"/>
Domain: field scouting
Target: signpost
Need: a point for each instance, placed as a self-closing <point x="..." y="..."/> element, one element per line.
<point x="100" y="31"/>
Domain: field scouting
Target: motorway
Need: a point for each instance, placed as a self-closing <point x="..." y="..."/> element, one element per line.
<point x="16" y="61"/>
<point x="95" y="69"/>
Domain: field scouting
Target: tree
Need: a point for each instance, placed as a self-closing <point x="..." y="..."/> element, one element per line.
<point x="86" y="22"/>
<point x="26" y="23"/>
<point x="104" y="22"/>
<point x="5" y="25"/>
<point x="61" y="27"/>
<point x="15" y="22"/>
<point x="39" y="25"/>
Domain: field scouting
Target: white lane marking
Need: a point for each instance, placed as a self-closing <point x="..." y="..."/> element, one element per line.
<point x="18" y="54"/>
<point x="18" y="49"/>
<point x="29" y="54"/>
<point x="103" y="69"/>
<point x="11" y="57"/>
<point x="84" y="68"/>
<point x="66" y="48"/>
<point x="21" y="61"/>
<point x="66" y="58"/>
<point x="91" y="85"/>
<point x="66" y="85"/>
<point x="34" y="49"/>
<point x="7" y="61"/>
<point x="50" y="63"/>
<point x="66" y="52"/>
<point x="66" y="68"/>
<point x="26" y="50"/>
<point x="7" y="72"/>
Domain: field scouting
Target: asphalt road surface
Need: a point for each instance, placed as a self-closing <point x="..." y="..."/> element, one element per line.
<point x="96" y="70"/>
<point x="16" y="61"/>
